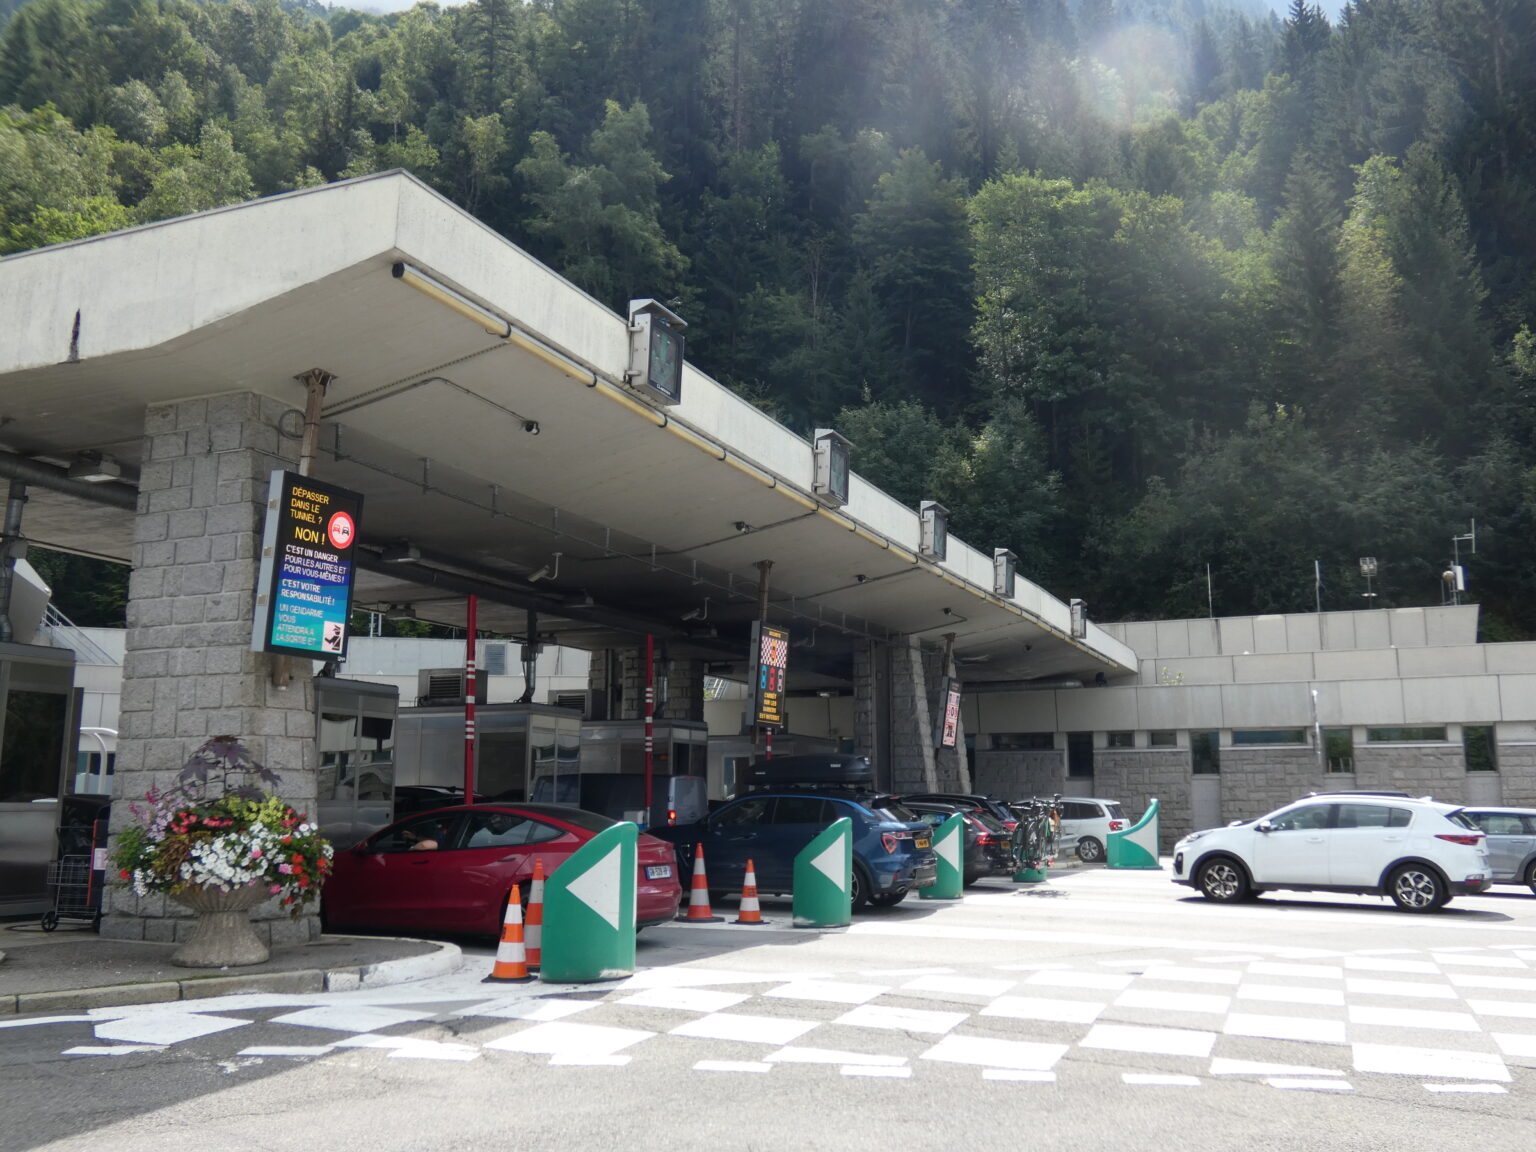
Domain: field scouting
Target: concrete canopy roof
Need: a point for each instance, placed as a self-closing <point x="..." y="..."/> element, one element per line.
<point x="426" y="416"/>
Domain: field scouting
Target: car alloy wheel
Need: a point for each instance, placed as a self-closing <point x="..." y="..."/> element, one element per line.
<point x="860" y="889"/>
<point x="1223" y="881"/>
<point x="1530" y="877"/>
<point x="1415" y="888"/>
<point x="1089" y="850"/>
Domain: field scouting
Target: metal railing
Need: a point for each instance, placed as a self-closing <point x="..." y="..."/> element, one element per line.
<point x="59" y="631"/>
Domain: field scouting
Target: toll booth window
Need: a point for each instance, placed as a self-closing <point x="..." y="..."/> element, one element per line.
<point x="33" y="750"/>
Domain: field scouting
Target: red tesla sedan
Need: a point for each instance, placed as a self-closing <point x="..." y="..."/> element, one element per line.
<point x="451" y="870"/>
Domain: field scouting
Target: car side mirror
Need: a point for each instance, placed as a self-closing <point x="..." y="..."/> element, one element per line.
<point x="1263" y="826"/>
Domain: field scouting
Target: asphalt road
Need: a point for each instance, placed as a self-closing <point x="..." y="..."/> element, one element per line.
<point x="1103" y="1010"/>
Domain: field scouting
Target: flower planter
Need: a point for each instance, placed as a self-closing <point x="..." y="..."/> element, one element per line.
<point x="223" y="936"/>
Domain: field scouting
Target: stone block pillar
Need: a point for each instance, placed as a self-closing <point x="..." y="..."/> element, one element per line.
<point x="898" y="716"/>
<point x="616" y="686"/>
<point x="188" y="671"/>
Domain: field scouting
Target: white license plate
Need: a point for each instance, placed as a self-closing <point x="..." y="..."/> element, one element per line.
<point x="657" y="871"/>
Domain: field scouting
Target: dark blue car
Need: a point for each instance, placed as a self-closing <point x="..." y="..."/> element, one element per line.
<point x="891" y="852"/>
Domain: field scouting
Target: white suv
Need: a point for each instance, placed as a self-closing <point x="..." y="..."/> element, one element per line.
<point x="1418" y="852"/>
<point x="1086" y="824"/>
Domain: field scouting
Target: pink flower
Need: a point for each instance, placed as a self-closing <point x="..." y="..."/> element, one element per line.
<point x="255" y="853"/>
<point x="275" y="889"/>
<point x="285" y="869"/>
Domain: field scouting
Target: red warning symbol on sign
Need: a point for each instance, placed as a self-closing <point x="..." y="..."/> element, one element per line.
<point x="341" y="530"/>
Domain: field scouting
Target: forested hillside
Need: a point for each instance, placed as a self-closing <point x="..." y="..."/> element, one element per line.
<point x="1132" y="286"/>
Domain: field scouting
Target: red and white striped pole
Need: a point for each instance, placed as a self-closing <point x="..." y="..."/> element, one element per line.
<point x="650" y="723"/>
<point x="469" y="699"/>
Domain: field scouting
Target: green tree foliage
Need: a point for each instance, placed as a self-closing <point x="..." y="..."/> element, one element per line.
<point x="1130" y="287"/>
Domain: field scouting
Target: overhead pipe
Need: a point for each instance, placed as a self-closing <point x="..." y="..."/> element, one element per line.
<point x="39" y="475"/>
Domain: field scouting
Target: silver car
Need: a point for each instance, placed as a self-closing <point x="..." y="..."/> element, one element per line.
<point x="1511" y="843"/>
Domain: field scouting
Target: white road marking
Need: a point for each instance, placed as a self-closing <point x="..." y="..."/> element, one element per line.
<point x="830" y="1056"/>
<point x="828" y="991"/>
<point x="1473" y="980"/>
<point x="114" y="1050"/>
<point x="1413" y="1018"/>
<point x="1018" y="1074"/>
<point x="1172" y="1001"/>
<point x="1365" y="986"/>
<point x="1311" y="1085"/>
<point x="571" y="1040"/>
<point x="286" y="1050"/>
<point x="1193" y="975"/>
<point x="684" y="999"/>
<point x="1039" y="1008"/>
<point x="351" y="1017"/>
<point x="1162" y="1041"/>
<point x="1307" y="1028"/>
<point x="1440" y="1063"/>
<point x="1503" y="1008"/>
<point x="732" y="1066"/>
<point x="1313" y="971"/>
<point x="1485" y="1088"/>
<point x="1482" y="961"/>
<point x="1222" y="1066"/>
<point x="958" y="986"/>
<point x="170" y="1028"/>
<point x="1150" y="1079"/>
<point x="1373" y="964"/>
<point x="1019" y="1054"/>
<point x="902" y="1019"/>
<point x="551" y="1009"/>
<point x="1103" y="981"/>
<point x="751" y="1029"/>
<point x="1291" y="994"/>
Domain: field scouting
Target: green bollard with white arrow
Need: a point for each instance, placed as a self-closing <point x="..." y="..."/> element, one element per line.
<point x="949" y="847"/>
<point x="824" y="879"/>
<point x="589" y="911"/>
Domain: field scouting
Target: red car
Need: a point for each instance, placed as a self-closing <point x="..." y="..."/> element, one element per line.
<point x="451" y="870"/>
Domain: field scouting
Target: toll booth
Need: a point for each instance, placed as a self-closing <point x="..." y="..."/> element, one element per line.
<point x="38" y="714"/>
<point x="730" y="754"/>
<point x="515" y="744"/>
<point x="679" y="747"/>
<point x="355" y="728"/>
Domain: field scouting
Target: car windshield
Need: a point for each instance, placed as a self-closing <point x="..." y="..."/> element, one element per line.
<point x="990" y="822"/>
<point x="889" y="808"/>
<point x="1115" y="812"/>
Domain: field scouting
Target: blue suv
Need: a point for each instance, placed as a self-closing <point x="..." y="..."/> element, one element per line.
<point x="891" y="852"/>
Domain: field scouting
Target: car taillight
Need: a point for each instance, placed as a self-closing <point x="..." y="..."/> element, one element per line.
<point x="1116" y="825"/>
<point x="983" y="837"/>
<point x="1010" y="824"/>
<point x="890" y="840"/>
<point x="671" y="815"/>
<point x="1470" y="839"/>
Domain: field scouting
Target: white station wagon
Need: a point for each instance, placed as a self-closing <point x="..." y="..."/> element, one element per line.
<point x="1418" y="852"/>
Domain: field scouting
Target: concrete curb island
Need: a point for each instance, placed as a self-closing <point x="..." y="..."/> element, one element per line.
<point x="372" y="962"/>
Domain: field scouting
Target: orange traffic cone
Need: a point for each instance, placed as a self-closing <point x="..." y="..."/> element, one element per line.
<point x="511" y="961"/>
<point x="751" y="912"/>
<point x="698" y="896"/>
<point x="533" y="934"/>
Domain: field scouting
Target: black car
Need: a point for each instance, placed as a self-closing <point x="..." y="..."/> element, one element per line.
<point x="891" y="845"/>
<point x="991" y="805"/>
<point x="988" y="845"/>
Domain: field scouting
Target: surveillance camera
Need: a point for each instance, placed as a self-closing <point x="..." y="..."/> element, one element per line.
<point x="531" y="427"/>
<point x="860" y="577"/>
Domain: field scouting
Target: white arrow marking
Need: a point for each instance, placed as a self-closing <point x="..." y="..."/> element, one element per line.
<point x="599" y="887"/>
<point x="830" y="864"/>
<point x="949" y="848"/>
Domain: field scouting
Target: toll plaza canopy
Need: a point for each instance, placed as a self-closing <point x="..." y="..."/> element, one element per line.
<point x="480" y="403"/>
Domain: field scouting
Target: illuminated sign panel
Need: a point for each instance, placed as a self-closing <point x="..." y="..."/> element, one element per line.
<point x="304" y="590"/>
<point x="771" y="657"/>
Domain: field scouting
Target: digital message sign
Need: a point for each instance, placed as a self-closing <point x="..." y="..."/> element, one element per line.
<point x="771" y="656"/>
<point x="304" y="591"/>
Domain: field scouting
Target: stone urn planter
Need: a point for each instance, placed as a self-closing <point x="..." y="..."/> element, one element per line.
<point x="223" y="936"/>
<point x="220" y="843"/>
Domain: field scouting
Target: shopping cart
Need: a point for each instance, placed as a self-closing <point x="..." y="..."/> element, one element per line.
<point x="78" y="876"/>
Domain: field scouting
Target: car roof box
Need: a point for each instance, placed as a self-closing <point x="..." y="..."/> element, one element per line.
<point x="816" y="771"/>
